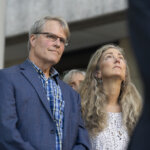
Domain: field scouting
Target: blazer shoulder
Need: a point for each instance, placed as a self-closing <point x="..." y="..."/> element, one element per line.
<point x="14" y="69"/>
<point x="9" y="70"/>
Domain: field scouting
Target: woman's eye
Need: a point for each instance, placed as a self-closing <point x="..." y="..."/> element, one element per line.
<point x="121" y="58"/>
<point x="108" y="56"/>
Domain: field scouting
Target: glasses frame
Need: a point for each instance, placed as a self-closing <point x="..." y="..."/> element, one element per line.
<point x="65" y="42"/>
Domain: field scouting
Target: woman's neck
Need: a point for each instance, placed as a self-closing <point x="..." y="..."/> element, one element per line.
<point x="112" y="89"/>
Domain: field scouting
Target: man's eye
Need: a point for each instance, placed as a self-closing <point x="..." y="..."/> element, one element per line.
<point x="51" y="37"/>
<point x="62" y="40"/>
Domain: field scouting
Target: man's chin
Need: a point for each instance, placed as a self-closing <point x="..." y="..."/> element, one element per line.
<point x="53" y="62"/>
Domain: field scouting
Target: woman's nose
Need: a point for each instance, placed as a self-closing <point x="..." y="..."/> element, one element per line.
<point x="117" y="59"/>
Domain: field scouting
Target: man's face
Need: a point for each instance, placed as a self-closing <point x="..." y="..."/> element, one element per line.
<point x="44" y="49"/>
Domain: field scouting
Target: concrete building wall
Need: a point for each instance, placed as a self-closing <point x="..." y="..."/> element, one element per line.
<point x="22" y="13"/>
<point x="2" y="32"/>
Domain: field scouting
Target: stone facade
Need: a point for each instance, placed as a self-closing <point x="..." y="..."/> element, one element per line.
<point x="20" y="14"/>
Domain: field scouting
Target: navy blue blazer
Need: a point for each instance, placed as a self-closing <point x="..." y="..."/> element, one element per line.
<point x="26" y="122"/>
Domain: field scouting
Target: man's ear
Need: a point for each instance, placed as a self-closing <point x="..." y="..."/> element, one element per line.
<point x="32" y="40"/>
<point x="98" y="74"/>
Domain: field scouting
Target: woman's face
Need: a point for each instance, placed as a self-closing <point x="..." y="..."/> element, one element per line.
<point x="112" y="65"/>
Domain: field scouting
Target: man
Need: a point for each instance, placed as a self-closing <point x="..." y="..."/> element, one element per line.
<point x="37" y="110"/>
<point x="74" y="78"/>
<point x="139" y="25"/>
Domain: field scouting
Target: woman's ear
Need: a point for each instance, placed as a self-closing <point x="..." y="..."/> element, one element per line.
<point x="98" y="74"/>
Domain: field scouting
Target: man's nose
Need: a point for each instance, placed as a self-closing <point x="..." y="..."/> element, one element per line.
<point x="57" y="42"/>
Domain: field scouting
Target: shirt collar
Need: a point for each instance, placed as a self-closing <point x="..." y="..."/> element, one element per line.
<point x="53" y="71"/>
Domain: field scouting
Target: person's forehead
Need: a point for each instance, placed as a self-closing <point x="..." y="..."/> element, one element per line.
<point x="51" y="25"/>
<point x="77" y="76"/>
<point x="112" y="51"/>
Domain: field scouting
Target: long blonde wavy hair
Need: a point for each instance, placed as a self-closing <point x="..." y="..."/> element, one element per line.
<point x="94" y="99"/>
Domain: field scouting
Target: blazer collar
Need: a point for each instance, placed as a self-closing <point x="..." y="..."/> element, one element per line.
<point x="32" y="76"/>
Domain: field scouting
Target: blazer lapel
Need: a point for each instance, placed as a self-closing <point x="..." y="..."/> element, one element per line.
<point x="30" y="73"/>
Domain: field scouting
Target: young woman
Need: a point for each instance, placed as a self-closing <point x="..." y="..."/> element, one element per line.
<point x="111" y="104"/>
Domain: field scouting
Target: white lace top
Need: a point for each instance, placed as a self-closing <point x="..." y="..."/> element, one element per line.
<point x="114" y="137"/>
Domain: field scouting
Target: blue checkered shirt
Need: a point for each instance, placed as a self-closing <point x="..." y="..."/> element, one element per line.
<point x="57" y="104"/>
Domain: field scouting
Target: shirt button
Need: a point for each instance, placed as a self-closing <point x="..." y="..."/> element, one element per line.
<point x="52" y="131"/>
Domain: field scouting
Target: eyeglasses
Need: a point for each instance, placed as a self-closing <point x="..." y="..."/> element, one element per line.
<point x="54" y="37"/>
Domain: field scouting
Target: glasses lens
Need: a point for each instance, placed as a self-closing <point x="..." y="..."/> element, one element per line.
<point x="54" y="37"/>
